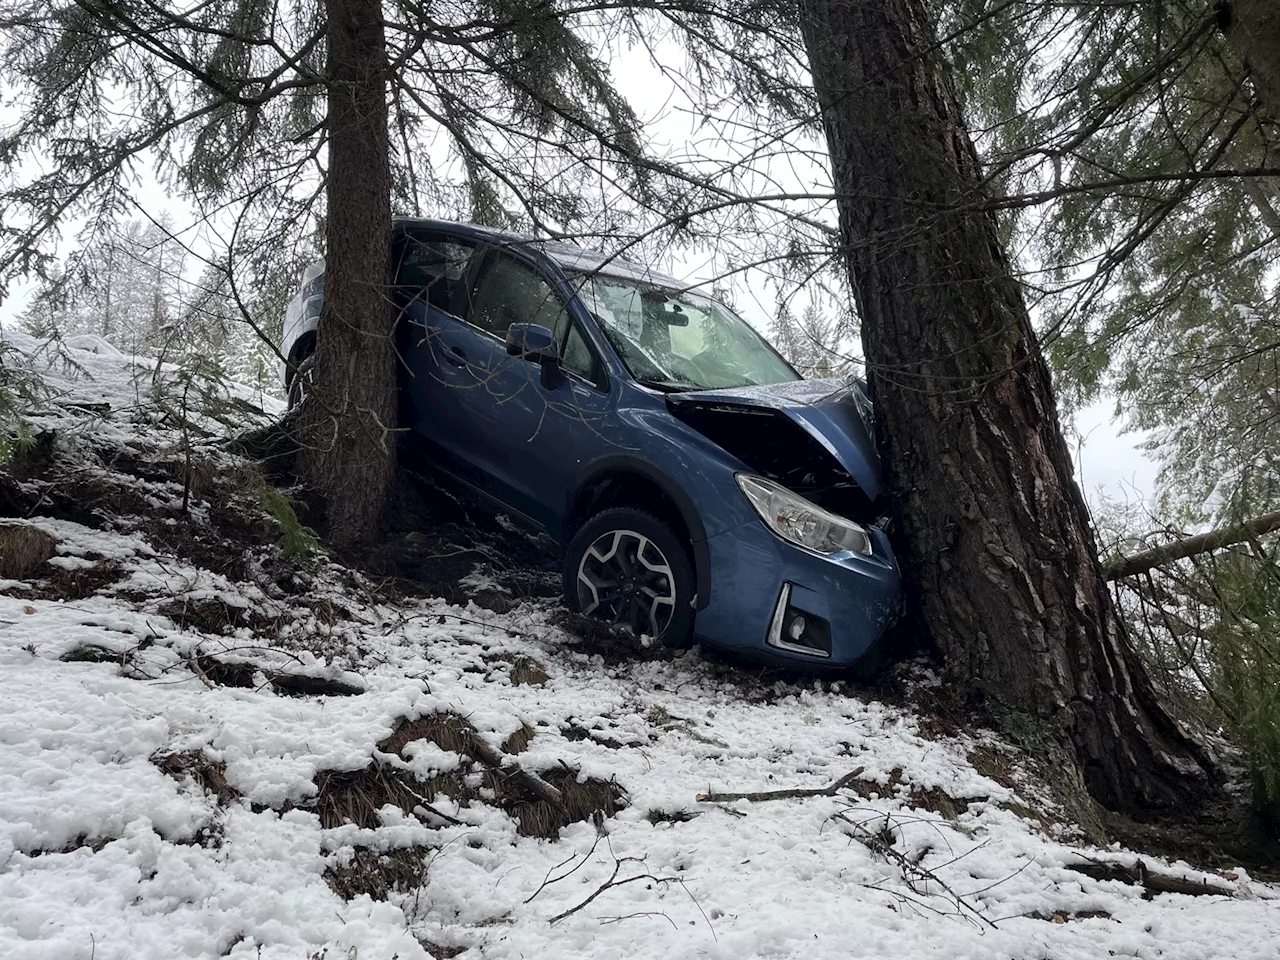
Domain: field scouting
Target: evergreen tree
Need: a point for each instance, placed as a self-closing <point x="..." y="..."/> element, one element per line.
<point x="305" y="125"/>
<point x="995" y="538"/>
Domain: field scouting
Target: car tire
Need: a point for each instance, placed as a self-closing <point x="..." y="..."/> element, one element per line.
<point x="300" y="385"/>
<point x="627" y="567"/>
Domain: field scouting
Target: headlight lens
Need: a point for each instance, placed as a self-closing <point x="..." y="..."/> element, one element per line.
<point x="798" y="521"/>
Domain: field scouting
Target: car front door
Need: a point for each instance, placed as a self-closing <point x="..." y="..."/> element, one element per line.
<point x="510" y="433"/>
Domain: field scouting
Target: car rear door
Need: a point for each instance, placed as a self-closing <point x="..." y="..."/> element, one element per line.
<point x="513" y="434"/>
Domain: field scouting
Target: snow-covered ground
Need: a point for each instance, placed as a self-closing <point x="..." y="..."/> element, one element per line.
<point x="167" y="790"/>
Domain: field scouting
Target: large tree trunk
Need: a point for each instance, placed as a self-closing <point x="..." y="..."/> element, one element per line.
<point x="994" y="539"/>
<point x="1252" y="29"/>
<point x="349" y="448"/>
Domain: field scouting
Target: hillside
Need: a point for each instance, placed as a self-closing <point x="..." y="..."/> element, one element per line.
<point x="211" y="749"/>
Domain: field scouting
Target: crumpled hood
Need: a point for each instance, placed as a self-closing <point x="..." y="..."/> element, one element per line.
<point x="830" y="411"/>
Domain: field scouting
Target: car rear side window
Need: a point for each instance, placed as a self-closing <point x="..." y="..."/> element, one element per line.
<point x="438" y="267"/>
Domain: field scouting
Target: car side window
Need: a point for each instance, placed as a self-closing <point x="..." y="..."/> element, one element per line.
<point x="438" y="267"/>
<point x="577" y="357"/>
<point x="510" y="291"/>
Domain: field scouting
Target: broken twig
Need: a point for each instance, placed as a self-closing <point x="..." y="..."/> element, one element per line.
<point x="792" y="794"/>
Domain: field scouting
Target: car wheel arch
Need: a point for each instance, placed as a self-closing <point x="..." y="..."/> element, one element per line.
<point x="302" y="348"/>
<point x="627" y="481"/>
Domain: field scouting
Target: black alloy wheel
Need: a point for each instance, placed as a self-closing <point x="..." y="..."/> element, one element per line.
<point x="628" y="568"/>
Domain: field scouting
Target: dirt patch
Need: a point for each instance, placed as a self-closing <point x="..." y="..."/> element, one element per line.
<point x="938" y="801"/>
<point x="1063" y="916"/>
<point x="92" y="653"/>
<point x="297" y="685"/>
<point x="225" y="673"/>
<point x="575" y="732"/>
<point x="612" y="644"/>
<point x="526" y="670"/>
<point x="210" y="774"/>
<point x="207" y="615"/>
<point x="440" y="951"/>
<point x="23" y="548"/>
<point x="994" y="764"/>
<point x="378" y="874"/>
<point x="590" y="799"/>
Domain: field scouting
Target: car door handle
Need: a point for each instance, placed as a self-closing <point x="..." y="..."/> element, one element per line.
<point x="455" y="355"/>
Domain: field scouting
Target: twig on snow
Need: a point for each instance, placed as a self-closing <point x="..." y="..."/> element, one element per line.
<point x="792" y="794"/>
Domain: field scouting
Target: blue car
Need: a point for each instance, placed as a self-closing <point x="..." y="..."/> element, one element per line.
<point x="697" y="486"/>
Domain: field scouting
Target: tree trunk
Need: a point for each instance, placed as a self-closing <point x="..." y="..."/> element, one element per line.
<point x="1252" y="29"/>
<point x="349" y="449"/>
<point x="994" y="536"/>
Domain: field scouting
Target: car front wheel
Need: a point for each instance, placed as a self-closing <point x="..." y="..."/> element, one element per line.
<point x="631" y="569"/>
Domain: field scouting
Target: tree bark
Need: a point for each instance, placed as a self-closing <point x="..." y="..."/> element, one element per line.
<point x="994" y="536"/>
<point x="1252" y="30"/>
<point x="347" y="422"/>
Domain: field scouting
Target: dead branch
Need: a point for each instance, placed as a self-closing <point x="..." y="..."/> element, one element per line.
<point x="612" y="882"/>
<point x="917" y="877"/>
<point x="1191" y="546"/>
<point x="1152" y="883"/>
<point x="793" y="794"/>
<point x="495" y="759"/>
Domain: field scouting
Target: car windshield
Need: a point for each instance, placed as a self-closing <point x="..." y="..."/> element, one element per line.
<point x="676" y="340"/>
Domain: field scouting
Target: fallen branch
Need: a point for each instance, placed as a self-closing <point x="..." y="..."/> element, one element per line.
<point x="793" y="794"/>
<point x="1191" y="546"/>
<point x="612" y="882"/>
<point x="916" y="876"/>
<point x="1152" y="883"/>
<point x="495" y="759"/>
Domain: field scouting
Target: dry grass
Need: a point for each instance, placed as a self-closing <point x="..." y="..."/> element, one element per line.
<point x="519" y="741"/>
<point x="378" y="874"/>
<point x="23" y="548"/>
<point x="210" y="774"/>
<point x="525" y="670"/>
<point x="447" y="730"/>
<point x="590" y="799"/>
<point x="358" y="796"/>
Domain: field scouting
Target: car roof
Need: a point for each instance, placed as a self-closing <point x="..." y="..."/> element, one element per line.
<point x="569" y="257"/>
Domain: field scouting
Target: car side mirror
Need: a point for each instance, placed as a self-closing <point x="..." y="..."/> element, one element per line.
<point x="537" y="344"/>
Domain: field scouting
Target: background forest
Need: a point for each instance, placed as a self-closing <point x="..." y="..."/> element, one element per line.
<point x="1129" y="153"/>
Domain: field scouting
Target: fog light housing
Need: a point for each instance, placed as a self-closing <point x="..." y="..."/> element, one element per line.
<point x="798" y="631"/>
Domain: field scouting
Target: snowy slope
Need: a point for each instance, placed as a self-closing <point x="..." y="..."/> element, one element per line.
<point x="169" y="787"/>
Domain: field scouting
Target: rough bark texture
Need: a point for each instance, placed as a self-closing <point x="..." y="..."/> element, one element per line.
<point x="994" y="535"/>
<point x="1252" y="29"/>
<point x="347" y="421"/>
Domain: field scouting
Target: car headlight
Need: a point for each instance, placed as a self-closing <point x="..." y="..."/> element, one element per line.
<point x="798" y="521"/>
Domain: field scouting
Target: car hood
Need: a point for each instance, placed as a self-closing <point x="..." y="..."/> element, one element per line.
<point x="835" y="413"/>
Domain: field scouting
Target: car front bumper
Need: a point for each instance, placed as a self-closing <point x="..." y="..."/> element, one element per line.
<point x="760" y="584"/>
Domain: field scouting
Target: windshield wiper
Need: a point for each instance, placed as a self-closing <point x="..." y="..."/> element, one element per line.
<point x="667" y="386"/>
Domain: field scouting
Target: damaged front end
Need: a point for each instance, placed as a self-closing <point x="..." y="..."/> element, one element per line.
<point x="811" y="439"/>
